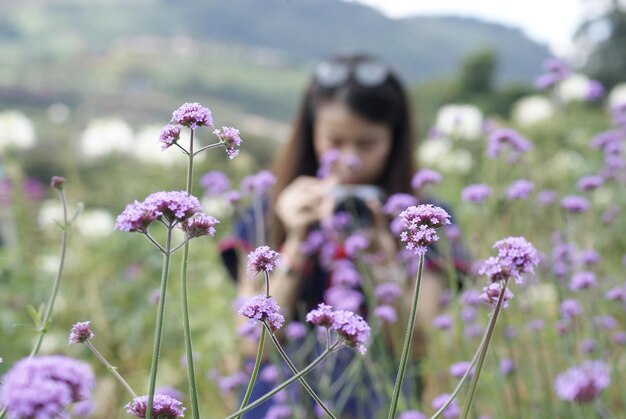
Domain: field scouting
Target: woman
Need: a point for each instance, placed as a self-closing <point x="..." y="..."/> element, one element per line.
<point x="356" y="110"/>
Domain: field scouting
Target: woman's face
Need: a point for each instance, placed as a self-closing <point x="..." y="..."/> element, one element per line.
<point x="369" y="143"/>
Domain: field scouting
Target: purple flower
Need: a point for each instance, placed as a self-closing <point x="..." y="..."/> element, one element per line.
<point x="232" y="381"/>
<point x="328" y="162"/>
<point x="44" y="386"/>
<point x="174" y="206"/>
<point x="557" y="67"/>
<point x="468" y="314"/>
<point x="587" y="346"/>
<point x="607" y="139"/>
<point x="262" y="308"/>
<point x="398" y="202"/>
<point x="471" y="297"/>
<point x="387" y="292"/>
<point x="473" y="330"/>
<point x="163" y="407"/>
<point x="516" y="257"/>
<point x="279" y="411"/>
<point x="589" y="257"/>
<point x="582" y="280"/>
<point x="214" y="183"/>
<point x="606" y="322"/>
<point x="520" y="189"/>
<point x="491" y="293"/>
<point x="262" y="259"/>
<point x="356" y="243"/>
<point x="452" y="411"/>
<point x="443" y="322"/>
<point x="617" y="293"/>
<point x="420" y="223"/>
<point x="323" y="315"/>
<point x="169" y="391"/>
<point x="345" y="274"/>
<point x="546" y="196"/>
<point x="192" y="115"/>
<point x="507" y="136"/>
<point x="458" y="369"/>
<point x="170" y="134"/>
<point x="545" y="81"/>
<point x="343" y="298"/>
<point x="352" y="328"/>
<point x="583" y="383"/>
<point x="535" y="325"/>
<point x="476" y="193"/>
<point x="295" y="330"/>
<point x="507" y="366"/>
<point x="229" y="136"/>
<point x="258" y="184"/>
<point x="314" y="241"/>
<point x="135" y="218"/>
<point x="269" y="374"/>
<point x="425" y="177"/>
<point x="199" y="225"/>
<point x="589" y="183"/>
<point x="619" y="337"/>
<point x="386" y="313"/>
<point x="412" y="414"/>
<point x="571" y="308"/>
<point x="595" y="90"/>
<point x="80" y="332"/>
<point x="575" y="204"/>
<point x="57" y="182"/>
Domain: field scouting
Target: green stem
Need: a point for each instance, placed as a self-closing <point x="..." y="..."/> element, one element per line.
<point x="293" y="369"/>
<point x="255" y="371"/>
<point x="492" y="324"/>
<point x="57" y="281"/>
<point x="111" y="368"/>
<point x="206" y="147"/>
<point x="159" y="323"/>
<point x="191" y="374"/>
<point x="407" y="342"/>
<point x="285" y="384"/>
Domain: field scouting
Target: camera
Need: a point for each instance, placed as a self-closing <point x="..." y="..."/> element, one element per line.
<point x="353" y="200"/>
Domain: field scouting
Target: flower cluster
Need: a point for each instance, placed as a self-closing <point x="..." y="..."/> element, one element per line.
<point x="262" y="259"/>
<point x="199" y="225"/>
<point x="170" y="134"/>
<point x="516" y="257"/>
<point x="349" y="326"/>
<point x="501" y="136"/>
<point x="420" y="223"/>
<point x="175" y="207"/>
<point x="556" y="70"/>
<point x="231" y="140"/>
<point x="80" y="332"/>
<point x="192" y="115"/>
<point x="583" y="383"/>
<point x="44" y="386"/>
<point x="264" y="309"/>
<point x="425" y="177"/>
<point x="258" y="184"/>
<point x="163" y="407"/>
<point x="476" y="193"/>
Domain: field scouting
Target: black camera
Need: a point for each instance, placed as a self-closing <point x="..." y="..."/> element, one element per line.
<point x="353" y="200"/>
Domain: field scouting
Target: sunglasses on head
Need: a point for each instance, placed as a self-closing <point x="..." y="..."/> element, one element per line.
<point x="369" y="73"/>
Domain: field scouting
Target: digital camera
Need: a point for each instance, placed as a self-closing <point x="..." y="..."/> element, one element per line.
<point x="353" y="200"/>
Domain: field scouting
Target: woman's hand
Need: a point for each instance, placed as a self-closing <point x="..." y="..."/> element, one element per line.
<point x="303" y="202"/>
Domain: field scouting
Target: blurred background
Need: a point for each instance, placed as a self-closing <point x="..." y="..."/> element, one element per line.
<point x="86" y="86"/>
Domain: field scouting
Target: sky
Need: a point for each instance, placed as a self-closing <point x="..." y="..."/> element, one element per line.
<point x="550" y="22"/>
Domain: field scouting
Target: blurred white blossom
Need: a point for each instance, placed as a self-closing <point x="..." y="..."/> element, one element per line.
<point x="16" y="131"/>
<point x="50" y="213"/>
<point x="217" y="206"/>
<point x="106" y="136"/>
<point x="565" y="163"/>
<point x="573" y="88"/>
<point x="617" y="95"/>
<point x="533" y="109"/>
<point x="58" y="113"/>
<point x="95" y="223"/>
<point x="440" y="155"/>
<point x="461" y="121"/>
<point x="146" y="148"/>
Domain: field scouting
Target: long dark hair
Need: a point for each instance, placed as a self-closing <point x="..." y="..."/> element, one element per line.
<point x="385" y="103"/>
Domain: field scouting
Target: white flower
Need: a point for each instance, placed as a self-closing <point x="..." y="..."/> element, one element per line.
<point x="16" y="130"/>
<point x="95" y="223"/>
<point x="217" y="206"/>
<point x="531" y="110"/>
<point x="146" y="148"/>
<point x="617" y="95"/>
<point x="462" y="121"/>
<point x="573" y="88"/>
<point x="440" y="155"/>
<point x="50" y="212"/>
<point x="106" y="136"/>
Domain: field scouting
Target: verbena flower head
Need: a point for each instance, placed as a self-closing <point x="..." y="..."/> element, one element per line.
<point x="520" y="189"/>
<point x="262" y="308"/>
<point x="575" y="204"/>
<point x="516" y="257"/>
<point x="262" y="259"/>
<point x="452" y="411"/>
<point x="258" y="184"/>
<point x="386" y="313"/>
<point x="174" y="206"/>
<point x="352" y="329"/>
<point x="476" y="194"/>
<point x="170" y="134"/>
<point x="420" y="223"/>
<point x="344" y="298"/>
<point x="192" y="115"/>
<point x="582" y="280"/>
<point x="163" y="407"/>
<point x="231" y="140"/>
<point x="135" y="218"/>
<point x="507" y="366"/>
<point x="412" y="414"/>
<point x="295" y="330"/>
<point x="546" y="196"/>
<point x="387" y="292"/>
<point x="80" y="332"/>
<point x="322" y="316"/>
<point x="589" y="183"/>
<point x="425" y="177"/>
<point x="571" y="308"/>
<point x="214" y="183"/>
<point x="583" y="383"/>
<point x="500" y="137"/>
<point x="458" y="369"/>
<point x="44" y="386"/>
<point x="443" y="322"/>
<point x="491" y="293"/>
<point x="328" y="162"/>
<point x="398" y="202"/>
<point x="57" y="182"/>
<point x="200" y="225"/>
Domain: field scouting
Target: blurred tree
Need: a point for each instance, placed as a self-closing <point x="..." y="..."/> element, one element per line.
<point x="477" y="72"/>
<point x="607" y="35"/>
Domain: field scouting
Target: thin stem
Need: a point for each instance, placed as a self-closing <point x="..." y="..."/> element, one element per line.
<point x="267" y="284"/>
<point x="407" y="342"/>
<point x="57" y="281"/>
<point x="207" y="147"/>
<point x="255" y="371"/>
<point x="191" y="374"/>
<point x="179" y="146"/>
<point x="111" y="368"/>
<point x="159" y="323"/>
<point x="154" y="242"/>
<point x="181" y="245"/>
<point x="286" y="383"/>
<point x="293" y="369"/>
<point x="492" y="325"/>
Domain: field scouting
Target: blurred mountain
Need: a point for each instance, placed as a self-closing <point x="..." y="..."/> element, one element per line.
<point x="255" y="54"/>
